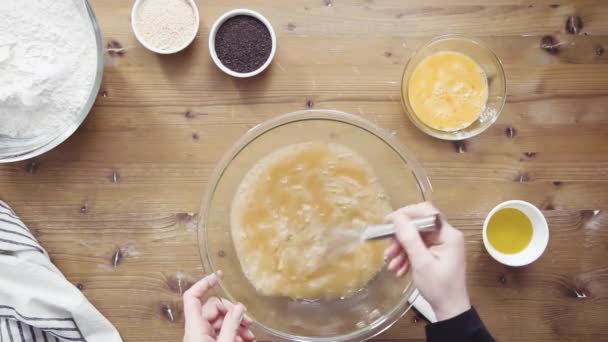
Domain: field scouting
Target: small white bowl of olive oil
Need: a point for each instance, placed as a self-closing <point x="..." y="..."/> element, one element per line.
<point x="515" y="233"/>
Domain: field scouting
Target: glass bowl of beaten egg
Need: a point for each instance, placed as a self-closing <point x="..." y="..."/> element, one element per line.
<point x="282" y="217"/>
<point x="453" y="87"/>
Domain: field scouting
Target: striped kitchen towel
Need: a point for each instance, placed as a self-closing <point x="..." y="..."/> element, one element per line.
<point x="37" y="303"/>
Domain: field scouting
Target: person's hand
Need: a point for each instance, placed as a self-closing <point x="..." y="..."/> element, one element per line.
<point x="437" y="260"/>
<point x="217" y="319"/>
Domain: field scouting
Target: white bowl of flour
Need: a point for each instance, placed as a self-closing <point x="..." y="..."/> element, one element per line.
<point x="51" y="62"/>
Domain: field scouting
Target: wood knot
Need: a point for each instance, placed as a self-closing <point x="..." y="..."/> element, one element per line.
<point x="415" y="319"/>
<point x="114" y="48"/>
<point x="589" y="219"/>
<point x="117" y="257"/>
<point x="195" y="136"/>
<point x="510" y="132"/>
<point x="574" y="24"/>
<point x="388" y="54"/>
<point x="556" y="183"/>
<point x="221" y="253"/>
<point x="180" y="282"/>
<point x="530" y="154"/>
<point x="115" y="177"/>
<point x="599" y="50"/>
<point x="522" y="177"/>
<point x="554" y="5"/>
<point x="169" y="312"/>
<point x="581" y="290"/>
<point x="310" y="104"/>
<point x="550" y="45"/>
<point x="187" y="221"/>
<point x="121" y="253"/>
<point x="184" y="217"/>
<point x="460" y="146"/>
<point x="36" y="231"/>
<point x="548" y="205"/>
<point x="291" y="27"/>
<point x="189" y="115"/>
<point x="587" y="215"/>
<point x="32" y="166"/>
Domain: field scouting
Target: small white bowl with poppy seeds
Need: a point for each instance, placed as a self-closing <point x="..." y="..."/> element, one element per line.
<point x="242" y="43"/>
<point x="165" y="26"/>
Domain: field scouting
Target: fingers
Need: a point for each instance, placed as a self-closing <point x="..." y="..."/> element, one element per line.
<point x="397" y="262"/>
<point x="452" y="234"/>
<point x="403" y="270"/>
<point x="200" y="288"/>
<point x="393" y="250"/>
<point x="418" y="210"/>
<point x="218" y="307"/>
<point x="192" y="302"/>
<point x="231" y="324"/>
<point x="243" y="331"/>
<point x="228" y="305"/>
<point x="216" y="316"/>
<point x="246" y="334"/>
<point x="212" y="309"/>
<point x="217" y="325"/>
<point x="410" y="239"/>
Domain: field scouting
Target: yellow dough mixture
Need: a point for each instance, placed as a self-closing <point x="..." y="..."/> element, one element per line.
<point x="448" y="91"/>
<point x="297" y="217"/>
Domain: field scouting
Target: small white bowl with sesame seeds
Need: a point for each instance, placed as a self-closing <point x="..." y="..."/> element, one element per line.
<point x="165" y="26"/>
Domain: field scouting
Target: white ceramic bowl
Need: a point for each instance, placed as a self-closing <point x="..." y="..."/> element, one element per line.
<point x="219" y="23"/>
<point x="154" y="49"/>
<point x="540" y="235"/>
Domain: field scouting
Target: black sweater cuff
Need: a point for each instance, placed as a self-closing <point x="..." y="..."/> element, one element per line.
<point x="465" y="327"/>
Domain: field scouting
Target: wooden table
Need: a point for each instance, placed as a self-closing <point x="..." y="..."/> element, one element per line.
<point x="116" y="205"/>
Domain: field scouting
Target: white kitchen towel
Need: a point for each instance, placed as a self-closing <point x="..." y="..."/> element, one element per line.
<point x="37" y="303"/>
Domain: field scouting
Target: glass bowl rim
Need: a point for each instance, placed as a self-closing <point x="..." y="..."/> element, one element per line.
<point x="446" y="135"/>
<point x="83" y="113"/>
<point x="400" y="309"/>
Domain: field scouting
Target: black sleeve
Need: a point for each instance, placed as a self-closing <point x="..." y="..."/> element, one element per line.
<point x="466" y="327"/>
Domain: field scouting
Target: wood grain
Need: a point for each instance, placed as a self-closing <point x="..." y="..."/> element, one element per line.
<point x="130" y="180"/>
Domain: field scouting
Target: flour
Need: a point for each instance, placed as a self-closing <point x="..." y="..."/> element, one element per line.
<point x="166" y="25"/>
<point x="48" y="61"/>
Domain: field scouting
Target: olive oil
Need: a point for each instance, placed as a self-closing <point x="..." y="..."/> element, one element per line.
<point x="509" y="231"/>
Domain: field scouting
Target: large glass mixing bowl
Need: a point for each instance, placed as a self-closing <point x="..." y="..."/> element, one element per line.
<point x="15" y="149"/>
<point x="356" y="318"/>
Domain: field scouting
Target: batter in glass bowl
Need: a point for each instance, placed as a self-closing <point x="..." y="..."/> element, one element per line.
<point x="296" y="220"/>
